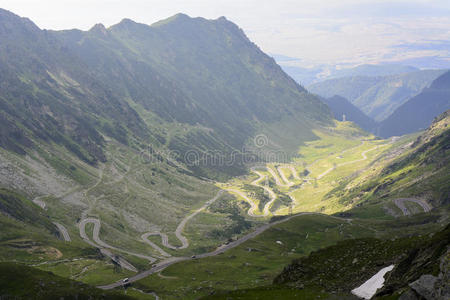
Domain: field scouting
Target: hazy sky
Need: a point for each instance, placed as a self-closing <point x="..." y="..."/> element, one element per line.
<point x="317" y="31"/>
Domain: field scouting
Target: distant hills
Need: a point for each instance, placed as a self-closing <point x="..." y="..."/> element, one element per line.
<point x="373" y="70"/>
<point x="377" y="96"/>
<point x="418" y="112"/>
<point x="307" y="76"/>
<point x="415" y="114"/>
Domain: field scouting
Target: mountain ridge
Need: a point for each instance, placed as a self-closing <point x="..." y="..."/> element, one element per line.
<point x="377" y="96"/>
<point x="168" y="69"/>
<point x="419" y="111"/>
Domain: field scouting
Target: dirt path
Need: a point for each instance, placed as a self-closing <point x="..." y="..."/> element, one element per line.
<point x="100" y="178"/>
<point x="400" y="202"/>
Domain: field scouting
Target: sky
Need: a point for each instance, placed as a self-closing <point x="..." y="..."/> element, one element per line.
<point x="315" y="32"/>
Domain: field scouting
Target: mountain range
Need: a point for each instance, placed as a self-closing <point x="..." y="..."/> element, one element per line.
<point x="178" y="160"/>
<point x="414" y="115"/>
<point x="77" y="87"/>
<point x="307" y="76"/>
<point x="377" y="96"/>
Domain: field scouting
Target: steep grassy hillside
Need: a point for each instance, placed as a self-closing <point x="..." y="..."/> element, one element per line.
<point x="351" y="263"/>
<point x="418" y="112"/>
<point x="363" y="211"/>
<point x="378" y="97"/>
<point x="22" y="282"/>
<point x="96" y="131"/>
<point x="421" y="171"/>
<point x="110" y="140"/>
<point x="253" y="265"/>
<point x="181" y="80"/>
<point x="75" y="88"/>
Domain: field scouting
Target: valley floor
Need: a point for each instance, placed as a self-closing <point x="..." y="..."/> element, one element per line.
<point x="285" y="211"/>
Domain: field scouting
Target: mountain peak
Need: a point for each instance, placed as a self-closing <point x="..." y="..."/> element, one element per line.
<point x="179" y="17"/>
<point x="125" y="23"/>
<point x="10" y="22"/>
<point x="99" y="28"/>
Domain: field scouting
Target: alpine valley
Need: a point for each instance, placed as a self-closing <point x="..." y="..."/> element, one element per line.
<point x="179" y="161"/>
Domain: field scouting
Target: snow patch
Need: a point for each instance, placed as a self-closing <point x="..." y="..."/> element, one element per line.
<point x="370" y="287"/>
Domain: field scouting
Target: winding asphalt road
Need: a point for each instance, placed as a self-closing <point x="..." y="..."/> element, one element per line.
<point x="173" y="260"/>
<point x="400" y="202"/>
<point x="119" y="260"/>
<point x="178" y="232"/>
<point x="364" y="157"/>
<point x="253" y="205"/>
<point x="294" y="172"/>
<point x="63" y="231"/>
<point x="165" y="242"/>
<point x="277" y="179"/>
<point x="273" y="196"/>
<point x="283" y="176"/>
<point x="98" y="243"/>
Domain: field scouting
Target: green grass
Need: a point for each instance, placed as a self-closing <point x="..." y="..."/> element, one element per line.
<point x="342" y="148"/>
<point x="22" y="282"/>
<point x="268" y="293"/>
<point x="133" y="197"/>
<point x="240" y="268"/>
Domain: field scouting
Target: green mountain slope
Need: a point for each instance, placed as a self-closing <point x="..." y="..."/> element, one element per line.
<point x="22" y="282"/>
<point x="75" y="87"/>
<point x="95" y="131"/>
<point x="341" y="106"/>
<point x="96" y="183"/>
<point x="418" y="112"/>
<point x="371" y="233"/>
<point x="182" y="80"/>
<point x="420" y="170"/>
<point x="352" y="262"/>
<point x="378" y="97"/>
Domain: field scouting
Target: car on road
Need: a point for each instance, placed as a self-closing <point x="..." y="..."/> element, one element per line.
<point x="125" y="280"/>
